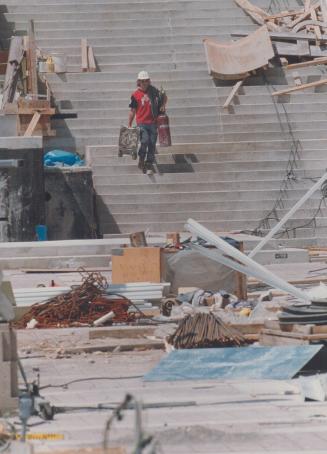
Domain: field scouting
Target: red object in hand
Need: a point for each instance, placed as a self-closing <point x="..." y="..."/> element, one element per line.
<point x="164" y="130"/>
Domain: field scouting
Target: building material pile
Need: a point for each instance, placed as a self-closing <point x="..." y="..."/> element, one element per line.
<point x="205" y="331"/>
<point x="82" y="306"/>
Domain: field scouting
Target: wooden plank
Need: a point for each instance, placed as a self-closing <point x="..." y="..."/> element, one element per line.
<point x="233" y="93"/>
<point x="318" y="83"/>
<point x="302" y="17"/>
<point x="32" y="80"/>
<point x="91" y="60"/>
<point x="323" y="8"/>
<point x="136" y="265"/>
<point x="307" y="5"/>
<point x="84" y="55"/>
<point x="285" y="14"/>
<point x="257" y="14"/>
<point x="316" y="28"/>
<point x="31" y="127"/>
<point x="305" y="64"/>
<point x="285" y="36"/>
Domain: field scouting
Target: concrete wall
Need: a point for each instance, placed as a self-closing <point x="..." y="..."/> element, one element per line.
<point x="8" y="369"/>
<point x="22" y="204"/>
<point x="69" y="203"/>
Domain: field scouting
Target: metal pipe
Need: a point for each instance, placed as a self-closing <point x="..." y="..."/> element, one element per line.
<point x="287" y="216"/>
<point x="248" y="266"/>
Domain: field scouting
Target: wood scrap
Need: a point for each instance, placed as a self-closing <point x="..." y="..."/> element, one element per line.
<point x="257" y="14"/>
<point x="233" y="93"/>
<point x="316" y="28"/>
<point x="318" y="83"/>
<point x="305" y="64"/>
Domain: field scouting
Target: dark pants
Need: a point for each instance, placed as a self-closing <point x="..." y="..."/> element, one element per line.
<point x="148" y="137"/>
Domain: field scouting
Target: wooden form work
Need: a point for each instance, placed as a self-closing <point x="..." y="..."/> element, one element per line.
<point x="33" y="117"/>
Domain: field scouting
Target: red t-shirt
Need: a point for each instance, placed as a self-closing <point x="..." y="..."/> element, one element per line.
<point x="140" y="101"/>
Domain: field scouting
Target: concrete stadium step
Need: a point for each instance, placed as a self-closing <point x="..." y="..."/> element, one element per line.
<point x="150" y="207"/>
<point x="226" y="215"/>
<point x="228" y="195"/>
<point x="108" y="187"/>
<point x="237" y="225"/>
<point x="227" y="147"/>
<point x="235" y="159"/>
<point x="185" y="167"/>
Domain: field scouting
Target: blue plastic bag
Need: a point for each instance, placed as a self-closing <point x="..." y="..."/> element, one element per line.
<point x="61" y="158"/>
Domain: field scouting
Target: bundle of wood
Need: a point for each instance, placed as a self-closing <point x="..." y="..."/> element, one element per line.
<point x="205" y="331"/>
<point x="312" y="18"/>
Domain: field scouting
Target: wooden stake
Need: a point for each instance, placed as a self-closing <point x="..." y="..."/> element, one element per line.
<point x="233" y="93"/>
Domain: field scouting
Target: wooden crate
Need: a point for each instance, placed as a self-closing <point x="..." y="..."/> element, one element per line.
<point x="137" y="265"/>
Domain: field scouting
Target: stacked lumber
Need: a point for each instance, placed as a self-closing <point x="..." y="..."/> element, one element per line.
<point x="312" y="18"/>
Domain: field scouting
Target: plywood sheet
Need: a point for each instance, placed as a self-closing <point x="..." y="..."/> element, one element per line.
<point x="136" y="265"/>
<point x="232" y="60"/>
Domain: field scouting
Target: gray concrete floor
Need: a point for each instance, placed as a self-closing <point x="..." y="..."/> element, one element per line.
<point x="225" y="416"/>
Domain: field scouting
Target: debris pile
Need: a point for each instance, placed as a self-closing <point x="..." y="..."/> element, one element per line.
<point x="81" y="306"/>
<point x="205" y="331"/>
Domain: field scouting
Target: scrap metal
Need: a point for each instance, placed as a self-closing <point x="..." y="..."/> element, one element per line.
<point x="81" y="306"/>
<point x="204" y="331"/>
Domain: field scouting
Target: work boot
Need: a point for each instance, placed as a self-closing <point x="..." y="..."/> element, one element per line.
<point x="134" y="155"/>
<point x="141" y="164"/>
<point x="149" y="168"/>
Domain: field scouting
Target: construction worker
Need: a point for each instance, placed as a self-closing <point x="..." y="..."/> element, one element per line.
<point x="146" y="104"/>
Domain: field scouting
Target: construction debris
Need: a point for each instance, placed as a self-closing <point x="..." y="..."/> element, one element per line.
<point x="80" y="307"/>
<point x="205" y="331"/>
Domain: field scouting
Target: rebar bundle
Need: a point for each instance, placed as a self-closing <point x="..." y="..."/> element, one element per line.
<point x="205" y="331"/>
<point x="81" y="306"/>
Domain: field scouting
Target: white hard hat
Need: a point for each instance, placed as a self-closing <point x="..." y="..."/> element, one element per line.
<point x="143" y="75"/>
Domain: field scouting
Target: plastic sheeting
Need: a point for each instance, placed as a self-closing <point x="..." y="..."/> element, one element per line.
<point x="190" y="269"/>
<point x="274" y="363"/>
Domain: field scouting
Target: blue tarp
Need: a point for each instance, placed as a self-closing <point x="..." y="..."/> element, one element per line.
<point x="275" y="363"/>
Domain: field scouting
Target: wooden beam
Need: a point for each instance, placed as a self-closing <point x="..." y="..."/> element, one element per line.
<point x="15" y="57"/>
<point x="84" y="55"/>
<point x="32" y="80"/>
<point x="316" y="28"/>
<point x="233" y="93"/>
<point x="286" y="36"/>
<point x="302" y="17"/>
<point x="91" y="60"/>
<point x="285" y="14"/>
<point x="305" y="64"/>
<point x="323" y="8"/>
<point x="307" y="5"/>
<point x="31" y="127"/>
<point x="318" y="83"/>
